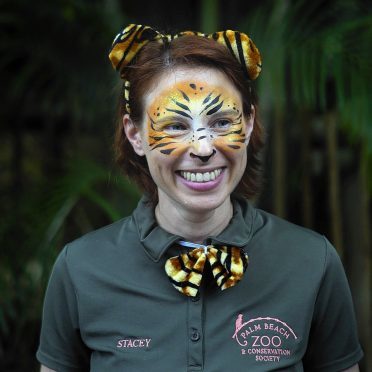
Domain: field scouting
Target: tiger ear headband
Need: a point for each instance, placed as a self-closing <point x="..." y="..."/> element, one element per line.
<point x="133" y="38"/>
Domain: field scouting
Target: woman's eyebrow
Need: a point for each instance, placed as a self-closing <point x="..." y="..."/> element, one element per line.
<point x="179" y="112"/>
<point x="168" y="118"/>
<point x="227" y="112"/>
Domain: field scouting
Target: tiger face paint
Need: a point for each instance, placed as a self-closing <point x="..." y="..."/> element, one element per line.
<point x="193" y="111"/>
<point x="194" y="136"/>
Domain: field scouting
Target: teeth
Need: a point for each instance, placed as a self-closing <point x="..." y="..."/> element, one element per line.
<point x="201" y="177"/>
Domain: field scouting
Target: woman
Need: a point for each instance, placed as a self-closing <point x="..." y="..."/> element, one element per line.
<point x="144" y="294"/>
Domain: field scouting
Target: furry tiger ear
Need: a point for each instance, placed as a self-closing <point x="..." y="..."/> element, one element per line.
<point x="133" y="134"/>
<point x="243" y="49"/>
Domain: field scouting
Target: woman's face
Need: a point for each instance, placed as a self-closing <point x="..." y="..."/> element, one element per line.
<point x="194" y="136"/>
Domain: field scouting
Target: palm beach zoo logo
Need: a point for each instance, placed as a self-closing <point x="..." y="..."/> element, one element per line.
<point x="264" y="339"/>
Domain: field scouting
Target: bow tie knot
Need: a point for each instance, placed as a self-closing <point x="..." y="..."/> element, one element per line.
<point x="185" y="271"/>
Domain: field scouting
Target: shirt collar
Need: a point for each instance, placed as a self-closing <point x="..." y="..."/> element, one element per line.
<point x="156" y="240"/>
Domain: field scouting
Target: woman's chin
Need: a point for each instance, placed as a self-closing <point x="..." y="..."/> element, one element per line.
<point x="203" y="202"/>
<point x="202" y="196"/>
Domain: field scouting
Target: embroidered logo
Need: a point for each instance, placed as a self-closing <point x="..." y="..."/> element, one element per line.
<point x="265" y="339"/>
<point x="129" y="343"/>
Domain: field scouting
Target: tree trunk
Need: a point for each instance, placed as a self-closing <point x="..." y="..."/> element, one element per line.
<point x="358" y="252"/>
<point x="306" y="193"/>
<point x="279" y="165"/>
<point x="333" y="182"/>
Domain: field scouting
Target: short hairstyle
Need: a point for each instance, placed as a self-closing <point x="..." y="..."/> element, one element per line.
<point x="152" y="62"/>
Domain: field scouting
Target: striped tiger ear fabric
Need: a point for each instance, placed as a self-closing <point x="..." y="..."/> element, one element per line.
<point x="185" y="271"/>
<point x="129" y="42"/>
<point x="242" y="48"/>
<point x="188" y="33"/>
<point x="126" y="87"/>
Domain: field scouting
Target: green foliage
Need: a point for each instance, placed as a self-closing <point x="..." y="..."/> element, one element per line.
<point x="58" y="86"/>
<point x="54" y="56"/>
<point x="321" y="54"/>
<point x="72" y="202"/>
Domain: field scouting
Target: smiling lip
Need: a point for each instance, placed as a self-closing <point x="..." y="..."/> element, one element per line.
<point x="201" y="181"/>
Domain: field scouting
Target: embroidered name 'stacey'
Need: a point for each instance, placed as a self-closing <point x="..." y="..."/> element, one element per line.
<point x="133" y="343"/>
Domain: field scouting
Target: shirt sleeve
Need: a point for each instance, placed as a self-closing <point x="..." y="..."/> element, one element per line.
<point x="333" y="340"/>
<point x="61" y="347"/>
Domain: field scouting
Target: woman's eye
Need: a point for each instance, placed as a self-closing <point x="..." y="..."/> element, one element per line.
<point x="175" y="127"/>
<point x="221" y="124"/>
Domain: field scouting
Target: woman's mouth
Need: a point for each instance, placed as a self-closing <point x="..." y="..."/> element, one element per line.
<point x="201" y="181"/>
<point x="200" y="176"/>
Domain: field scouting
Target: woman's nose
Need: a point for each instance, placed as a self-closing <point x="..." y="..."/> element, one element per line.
<point x="203" y="158"/>
<point x="202" y="149"/>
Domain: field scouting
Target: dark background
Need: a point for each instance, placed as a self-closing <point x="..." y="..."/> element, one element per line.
<point x="58" y="100"/>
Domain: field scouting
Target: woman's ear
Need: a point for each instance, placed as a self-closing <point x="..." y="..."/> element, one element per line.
<point x="133" y="134"/>
<point x="249" y="125"/>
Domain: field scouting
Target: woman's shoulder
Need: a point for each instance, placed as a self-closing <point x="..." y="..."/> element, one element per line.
<point x="283" y="227"/>
<point x="299" y="249"/>
<point x="287" y="238"/>
<point x="101" y="240"/>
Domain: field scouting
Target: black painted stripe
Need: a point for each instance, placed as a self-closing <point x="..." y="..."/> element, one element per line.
<point x="215" y="109"/>
<point x="207" y="98"/>
<point x="180" y="113"/>
<point x="152" y="122"/>
<point x="167" y="152"/>
<point x="213" y="102"/>
<point x="232" y="132"/>
<point x="199" y="129"/>
<point x="234" y="147"/>
<point x="161" y="144"/>
<point x="185" y="96"/>
<point x="179" y="104"/>
<point x="156" y="138"/>
<point x="201" y="137"/>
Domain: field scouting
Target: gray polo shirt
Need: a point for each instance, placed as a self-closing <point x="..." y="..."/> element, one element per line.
<point x="109" y="305"/>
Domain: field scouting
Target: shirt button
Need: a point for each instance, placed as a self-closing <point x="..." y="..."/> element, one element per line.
<point x="196" y="298"/>
<point x="195" y="335"/>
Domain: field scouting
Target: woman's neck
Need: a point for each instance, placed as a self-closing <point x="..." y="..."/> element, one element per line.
<point x="193" y="225"/>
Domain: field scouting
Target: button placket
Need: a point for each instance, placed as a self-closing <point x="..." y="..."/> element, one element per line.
<point x="195" y="336"/>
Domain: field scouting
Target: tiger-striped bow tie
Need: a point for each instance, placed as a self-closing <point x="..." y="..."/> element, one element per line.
<point x="185" y="271"/>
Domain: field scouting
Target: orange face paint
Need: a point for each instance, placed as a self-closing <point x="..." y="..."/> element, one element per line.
<point x="190" y="112"/>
